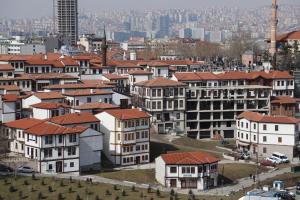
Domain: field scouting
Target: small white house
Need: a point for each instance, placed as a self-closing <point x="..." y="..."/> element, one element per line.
<point x="39" y="97"/>
<point x="49" y="109"/>
<point x="264" y="134"/>
<point x="187" y="170"/>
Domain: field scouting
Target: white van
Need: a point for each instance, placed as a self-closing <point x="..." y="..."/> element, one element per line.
<point x="280" y="157"/>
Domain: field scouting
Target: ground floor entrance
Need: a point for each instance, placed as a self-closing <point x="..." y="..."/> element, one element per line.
<point x="189" y="183"/>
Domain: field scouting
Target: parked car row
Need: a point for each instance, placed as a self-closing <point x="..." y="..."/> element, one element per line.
<point x="275" y="159"/>
<point x="21" y="169"/>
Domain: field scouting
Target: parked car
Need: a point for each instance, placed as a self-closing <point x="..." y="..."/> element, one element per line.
<point x="298" y="188"/>
<point x="25" y="169"/>
<point x="280" y="157"/>
<point x="273" y="160"/>
<point x="267" y="163"/>
<point x="4" y="168"/>
<point x="245" y="156"/>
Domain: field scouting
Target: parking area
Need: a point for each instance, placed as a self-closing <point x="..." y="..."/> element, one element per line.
<point x="15" y="161"/>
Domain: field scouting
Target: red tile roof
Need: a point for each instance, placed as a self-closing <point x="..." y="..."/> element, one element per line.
<point x="160" y="82"/>
<point x="6" y="67"/>
<point x="50" y="105"/>
<point x="10" y="97"/>
<point x="79" y="86"/>
<point x="294" y="35"/>
<point x="96" y="105"/>
<point x="74" y="118"/>
<point x="47" y="128"/>
<point x="257" y="117"/>
<point x="195" y="76"/>
<point x="87" y="92"/>
<point x="140" y="72"/>
<point x="49" y="95"/>
<point x="284" y="100"/>
<point x="10" y="87"/>
<point x="114" y="76"/>
<point x="23" y="123"/>
<point x="125" y="114"/>
<point x="188" y="158"/>
<point x="52" y="59"/>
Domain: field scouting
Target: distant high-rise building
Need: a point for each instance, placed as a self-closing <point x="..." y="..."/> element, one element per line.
<point x="67" y="19"/>
<point x="164" y="26"/>
<point x="198" y="33"/>
<point x="185" y="33"/>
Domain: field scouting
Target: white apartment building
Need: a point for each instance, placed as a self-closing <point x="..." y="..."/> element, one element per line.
<point x="187" y="170"/>
<point x="136" y="76"/>
<point x="126" y="136"/>
<point x="264" y="134"/>
<point x="55" y="148"/>
<point x="165" y="100"/>
<point x="79" y="97"/>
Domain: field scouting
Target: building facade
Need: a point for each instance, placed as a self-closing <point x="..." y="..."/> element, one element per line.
<point x="187" y="170"/>
<point x="264" y="134"/>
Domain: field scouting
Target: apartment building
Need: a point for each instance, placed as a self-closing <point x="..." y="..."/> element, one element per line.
<point x="215" y="100"/>
<point x="264" y="134"/>
<point x="187" y="170"/>
<point x="165" y="101"/>
<point x="54" y="148"/>
<point x="136" y="76"/>
<point x="126" y="136"/>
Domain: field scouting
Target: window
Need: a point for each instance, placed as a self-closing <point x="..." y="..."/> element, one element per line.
<point x="71" y="164"/>
<point x="50" y="167"/>
<point x="246" y="125"/>
<point x="254" y="126"/>
<point x="60" y="139"/>
<point x="158" y="116"/>
<point x="238" y="133"/>
<point x="264" y="127"/>
<point x="254" y="137"/>
<point x="48" y="139"/>
<point x="265" y="139"/>
<point x="71" y="151"/>
<point x="158" y="92"/>
<point x="279" y="139"/>
<point x="47" y="153"/>
<point x="89" y="99"/>
<point x="153" y="105"/>
<point x="137" y="135"/>
<point x="242" y="124"/>
<point x="181" y="103"/>
<point x="72" y="138"/>
<point x="173" y="169"/>
<point x="181" y="91"/>
<point x="59" y="152"/>
<point x="264" y="150"/>
<point x="276" y="127"/>
<point x="178" y="116"/>
<point x="153" y="92"/>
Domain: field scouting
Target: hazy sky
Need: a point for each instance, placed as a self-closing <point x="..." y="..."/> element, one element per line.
<point x="36" y="8"/>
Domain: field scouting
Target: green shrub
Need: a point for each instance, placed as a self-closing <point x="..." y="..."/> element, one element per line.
<point x="12" y="189"/>
<point x="50" y="189"/>
<point x="97" y="197"/>
<point x="26" y="182"/>
<point x="78" y="197"/>
<point x="43" y="182"/>
<point x="107" y="192"/>
<point x="115" y="187"/>
<point x="157" y="192"/>
<point x="79" y="184"/>
<point x="60" y="196"/>
<point x="123" y="193"/>
<point x="117" y="198"/>
<point x="70" y="190"/>
<point x="172" y="192"/>
<point x="40" y="196"/>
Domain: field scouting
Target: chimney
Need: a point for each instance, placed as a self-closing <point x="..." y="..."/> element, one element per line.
<point x="274" y="22"/>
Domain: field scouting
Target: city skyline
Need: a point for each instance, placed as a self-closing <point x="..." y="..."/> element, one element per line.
<point x="44" y="7"/>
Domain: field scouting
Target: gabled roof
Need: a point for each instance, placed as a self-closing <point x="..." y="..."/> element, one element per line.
<point x="87" y="92"/>
<point x="95" y="105"/>
<point x="140" y="72"/>
<point x="50" y="105"/>
<point x="294" y="35"/>
<point x="125" y="114"/>
<point x="48" y="95"/>
<point x="23" y="123"/>
<point x="10" y="97"/>
<point x="79" y="86"/>
<point x="160" y="82"/>
<point x="48" y="128"/>
<point x="257" y="117"/>
<point x="6" y="67"/>
<point x="10" y="87"/>
<point x="114" y="76"/>
<point x="188" y="158"/>
<point x="284" y="100"/>
<point x="195" y="76"/>
<point x="74" y="118"/>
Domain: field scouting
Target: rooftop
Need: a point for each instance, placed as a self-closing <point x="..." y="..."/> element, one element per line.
<point x="125" y="114"/>
<point x="160" y="82"/>
<point x="49" y="95"/>
<point x="74" y="118"/>
<point x="257" y="117"/>
<point x="87" y="92"/>
<point x="95" y="105"/>
<point x="23" y="123"/>
<point x="49" y="105"/>
<point x="188" y="158"/>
